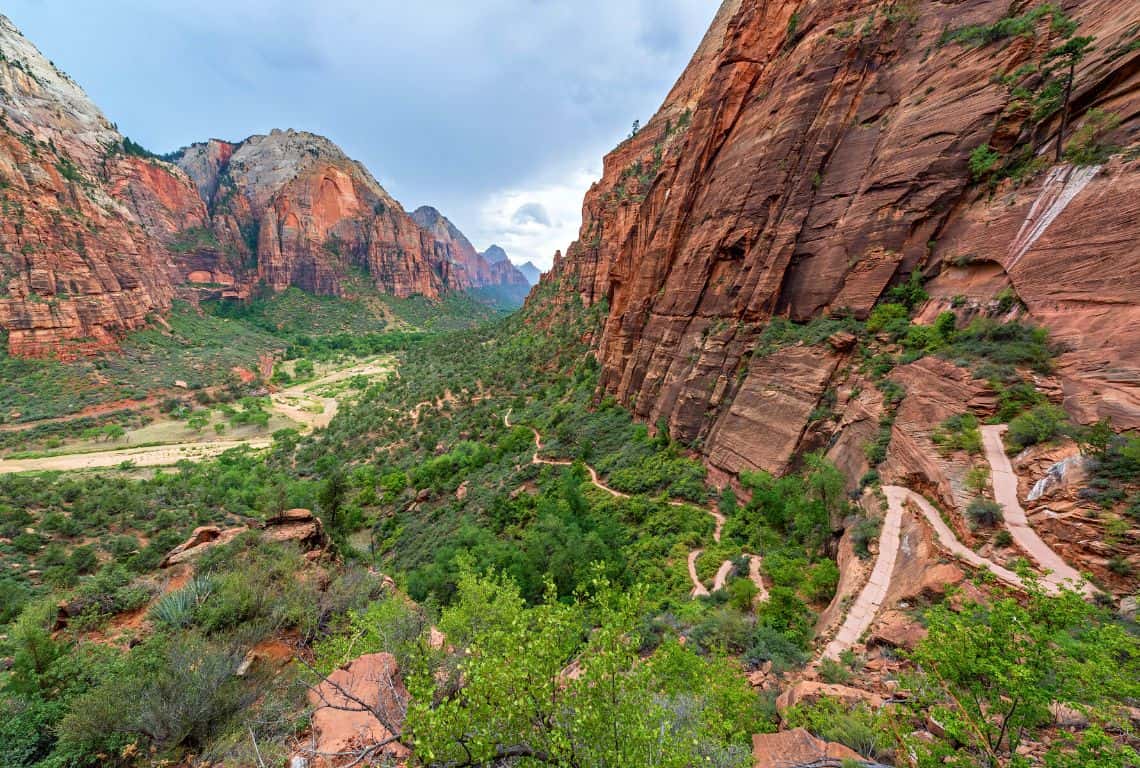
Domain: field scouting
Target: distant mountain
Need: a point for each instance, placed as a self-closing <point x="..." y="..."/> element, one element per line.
<point x="473" y="270"/>
<point x="531" y="272"/>
<point x="98" y="234"/>
<point x="495" y="254"/>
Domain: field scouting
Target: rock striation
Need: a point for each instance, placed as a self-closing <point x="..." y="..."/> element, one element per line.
<point x="78" y="262"/>
<point x="815" y="154"/>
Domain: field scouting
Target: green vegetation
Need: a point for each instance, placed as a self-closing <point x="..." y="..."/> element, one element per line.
<point x="959" y="433"/>
<point x="675" y="708"/>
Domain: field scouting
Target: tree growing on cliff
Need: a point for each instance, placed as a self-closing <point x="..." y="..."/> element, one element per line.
<point x="1068" y="55"/>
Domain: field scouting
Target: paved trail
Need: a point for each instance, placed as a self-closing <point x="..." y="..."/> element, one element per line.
<point x="866" y="606"/>
<point x="1058" y="573"/>
<point x="870" y="600"/>
<point x="699" y="589"/>
<point x="946" y="537"/>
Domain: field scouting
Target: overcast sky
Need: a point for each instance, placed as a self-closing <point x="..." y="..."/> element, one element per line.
<point x="497" y="112"/>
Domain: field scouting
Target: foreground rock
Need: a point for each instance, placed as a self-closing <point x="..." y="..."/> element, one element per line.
<point x="296" y="525"/>
<point x="349" y="707"/>
<point x="799" y="749"/>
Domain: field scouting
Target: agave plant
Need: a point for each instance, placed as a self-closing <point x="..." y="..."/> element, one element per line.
<point x="177" y="609"/>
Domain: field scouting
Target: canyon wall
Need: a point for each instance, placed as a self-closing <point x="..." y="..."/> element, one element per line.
<point x="815" y="154"/>
<point x="99" y="236"/>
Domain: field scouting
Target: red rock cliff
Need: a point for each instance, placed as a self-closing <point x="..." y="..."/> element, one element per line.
<point x="813" y="154"/>
<point x="290" y="209"/>
<point x="78" y="261"/>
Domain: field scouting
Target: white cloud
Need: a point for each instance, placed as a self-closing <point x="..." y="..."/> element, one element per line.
<point x="525" y="239"/>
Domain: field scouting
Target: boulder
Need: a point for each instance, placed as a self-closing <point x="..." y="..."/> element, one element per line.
<point x="797" y="747"/>
<point x="809" y="691"/>
<point x="203" y="538"/>
<point x="897" y="630"/>
<point x="339" y="725"/>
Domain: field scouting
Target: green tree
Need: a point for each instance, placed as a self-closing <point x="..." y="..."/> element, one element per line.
<point x="989" y="673"/>
<point x="519" y="700"/>
<point x="1068" y="55"/>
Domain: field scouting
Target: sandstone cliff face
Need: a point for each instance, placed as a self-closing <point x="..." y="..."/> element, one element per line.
<point x="470" y="269"/>
<point x="96" y="235"/>
<point x="78" y="263"/>
<point x="290" y="209"/>
<point x="813" y="154"/>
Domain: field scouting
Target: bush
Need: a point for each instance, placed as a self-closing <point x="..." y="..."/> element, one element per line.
<point x="864" y="532"/>
<point x="984" y="512"/>
<point x="768" y="644"/>
<point x="983" y="161"/>
<point x="1036" y="426"/>
<point x="834" y="672"/>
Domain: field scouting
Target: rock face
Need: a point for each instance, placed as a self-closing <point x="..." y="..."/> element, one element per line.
<point x="78" y="262"/>
<point x="97" y="235"/>
<point x="813" y="155"/>
<point x="470" y="269"/>
<point x="290" y="209"/>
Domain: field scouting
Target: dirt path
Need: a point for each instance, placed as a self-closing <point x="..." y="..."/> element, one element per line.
<point x="754" y="562"/>
<point x="699" y="589"/>
<point x="157" y="456"/>
<point x="870" y="599"/>
<point x="1057" y="572"/>
<point x="288" y="402"/>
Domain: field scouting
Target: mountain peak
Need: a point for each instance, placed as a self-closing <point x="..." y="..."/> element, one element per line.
<point x="495" y="254"/>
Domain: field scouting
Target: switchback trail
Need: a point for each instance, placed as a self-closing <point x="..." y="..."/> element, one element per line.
<point x="1058" y="573"/>
<point x="862" y="613"/>
<point x="866" y="606"/>
<point x="699" y="589"/>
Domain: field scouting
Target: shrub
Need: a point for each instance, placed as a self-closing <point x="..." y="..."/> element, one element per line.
<point x="984" y="512"/>
<point x="864" y="532"/>
<point x="983" y="161"/>
<point x="1037" y="426"/>
<point x="857" y="727"/>
<point x="834" y="672"/>
<point x="1003" y="539"/>
<point x="822" y="580"/>
<point x="741" y="593"/>
<point x="767" y="644"/>
<point x="959" y="433"/>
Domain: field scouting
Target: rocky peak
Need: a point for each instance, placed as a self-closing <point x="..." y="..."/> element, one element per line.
<point x="532" y="273"/>
<point x="443" y="229"/>
<point x="494" y="255"/>
<point x="39" y="98"/>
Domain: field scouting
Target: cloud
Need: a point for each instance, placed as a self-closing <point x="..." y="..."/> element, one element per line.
<point x="455" y="108"/>
<point x="531" y="213"/>
<point x="528" y="239"/>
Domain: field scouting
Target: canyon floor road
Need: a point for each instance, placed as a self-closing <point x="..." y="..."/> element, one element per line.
<point x="309" y="405"/>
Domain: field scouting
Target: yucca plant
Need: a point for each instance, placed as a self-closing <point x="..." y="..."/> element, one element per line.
<point x="177" y="609"/>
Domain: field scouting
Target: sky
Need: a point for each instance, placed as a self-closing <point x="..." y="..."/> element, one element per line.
<point x="496" y="112"/>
